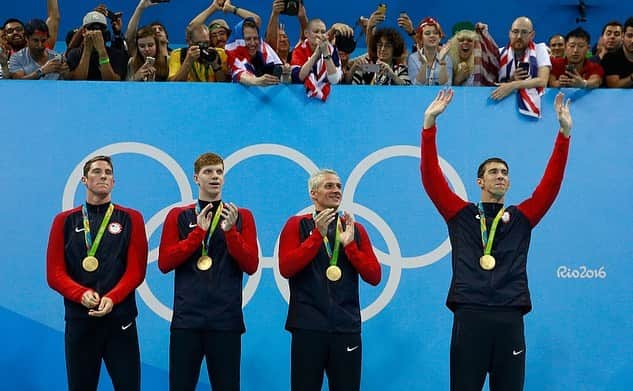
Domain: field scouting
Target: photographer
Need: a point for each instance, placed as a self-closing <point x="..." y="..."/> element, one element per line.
<point x="219" y="30"/>
<point x="93" y="60"/>
<point x="200" y="62"/>
<point x="117" y="40"/>
<point x="387" y="69"/>
<point x="276" y="35"/>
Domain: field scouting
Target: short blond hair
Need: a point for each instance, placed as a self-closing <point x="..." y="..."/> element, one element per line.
<point x="316" y="178"/>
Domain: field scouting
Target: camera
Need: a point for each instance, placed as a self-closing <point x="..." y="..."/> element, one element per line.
<point x="345" y="44"/>
<point x="113" y="15"/>
<point x="207" y="55"/>
<point x="291" y="7"/>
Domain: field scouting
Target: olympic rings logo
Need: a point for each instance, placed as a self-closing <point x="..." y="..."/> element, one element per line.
<point x="393" y="258"/>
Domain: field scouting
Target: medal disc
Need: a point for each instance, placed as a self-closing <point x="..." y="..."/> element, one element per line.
<point x="333" y="273"/>
<point x="487" y="262"/>
<point x="204" y="262"/>
<point x="90" y="263"/>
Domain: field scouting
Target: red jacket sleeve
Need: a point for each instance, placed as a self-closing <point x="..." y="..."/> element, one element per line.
<point x="56" y="273"/>
<point x="446" y="201"/>
<point x="535" y="207"/>
<point x="172" y="251"/>
<point x="294" y="255"/>
<point x="363" y="258"/>
<point x="136" y="260"/>
<point x="242" y="245"/>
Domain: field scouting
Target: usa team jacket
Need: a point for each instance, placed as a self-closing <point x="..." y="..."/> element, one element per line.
<point x="211" y="299"/>
<point x="506" y="285"/>
<point x="317" y="303"/>
<point x="122" y="257"/>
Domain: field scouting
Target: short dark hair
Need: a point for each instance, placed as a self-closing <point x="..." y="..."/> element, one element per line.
<point x="554" y="36"/>
<point x="390" y="35"/>
<point x="611" y="23"/>
<point x="157" y="23"/>
<point x="12" y="20"/>
<point x="482" y="167"/>
<point x="249" y="22"/>
<point x="98" y="158"/>
<point x="207" y="159"/>
<point x="628" y="23"/>
<point x="578" y="32"/>
<point x="35" y="25"/>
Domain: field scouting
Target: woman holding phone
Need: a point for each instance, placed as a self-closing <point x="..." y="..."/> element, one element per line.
<point x="145" y="65"/>
<point x="388" y="67"/>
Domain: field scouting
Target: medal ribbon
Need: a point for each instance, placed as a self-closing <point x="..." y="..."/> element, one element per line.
<point x="92" y="247"/>
<point x="485" y="238"/>
<point x="333" y="254"/>
<point x="214" y="224"/>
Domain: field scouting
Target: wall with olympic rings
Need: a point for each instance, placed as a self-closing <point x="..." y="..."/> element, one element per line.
<point x="580" y="263"/>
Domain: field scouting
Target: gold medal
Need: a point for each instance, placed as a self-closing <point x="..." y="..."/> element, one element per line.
<point x="333" y="273"/>
<point x="90" y="263"/>
<point x="487" y="262"/>
<point x="204" y="263"/>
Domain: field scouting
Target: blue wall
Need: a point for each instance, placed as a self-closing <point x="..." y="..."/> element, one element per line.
<point x="579" y="334"/>
<point x="549" y="16"/>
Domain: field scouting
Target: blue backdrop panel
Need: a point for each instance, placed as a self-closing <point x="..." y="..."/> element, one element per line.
<point x="579" y="334"/>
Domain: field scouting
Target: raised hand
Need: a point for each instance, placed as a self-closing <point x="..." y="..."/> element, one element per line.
<point x="230" y="214"/>
<point x="347" y="235"/>
<point x="323" y="220"/>
<point x="204" y="217"/>
<point x="436" y="107"/>
<point x="563" y="114"/>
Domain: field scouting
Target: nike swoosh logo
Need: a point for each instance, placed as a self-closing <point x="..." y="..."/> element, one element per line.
<point x="352" y="349"/>
<point x="127" y="326"/>
<point x="193" y="225"/>
<point x="79" y="229"/>
<point x="516" y="353"/>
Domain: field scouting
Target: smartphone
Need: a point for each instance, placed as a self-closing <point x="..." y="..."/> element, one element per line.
<point x="367" y="68"/>
<point x="277" y="70"/>
<point x="158" y="1"/>
<point x="150" y="60"/>
<point x="570" y="68"/>
<point x="382" y="8"/>
<point x="525" y="66"/>
<point x="403" y="14"/>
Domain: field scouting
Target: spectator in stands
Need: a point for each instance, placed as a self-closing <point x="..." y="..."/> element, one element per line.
<point x="93" y="60"/>
<point x="345" y="45"/>
<point x="388" y="69"/>
<point x="35" y="61"/>
<point x="523" y="64"/>
<point x="610" y="40"/>
<point x="131" y="36"/>
<point x="430" y="65"/>
<point x="146" y="65"/>
<point x="4" y="63"/>
<point x="556" y="46"/>
<point x="618" y="65"/>
<point x="252" y="61"/>
<point x="276" y="35"/>
<point x="13" y="30"/>
<point x="574" y="69"/>
<point x="218" y="29"/>
<point x="315" y="61"/>
<point x="200" y="62"/>
<point x="474" y="55"/>
<point x="13" y="34"/>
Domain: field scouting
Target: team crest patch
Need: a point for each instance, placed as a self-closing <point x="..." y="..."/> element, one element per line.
<point x="505" y="217"/>
<point x="115" y="228"/>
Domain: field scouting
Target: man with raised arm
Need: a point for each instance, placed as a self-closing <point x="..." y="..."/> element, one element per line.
<point x="489" y="290"/>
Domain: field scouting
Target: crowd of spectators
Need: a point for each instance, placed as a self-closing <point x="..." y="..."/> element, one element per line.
<point x="320" y="57"/>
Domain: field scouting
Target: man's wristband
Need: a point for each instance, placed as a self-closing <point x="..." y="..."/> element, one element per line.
<point x="235" y="10"/>
<point x="39" y="73"/>
<point x="412" y="33"/>
<point x="103" y="61"/>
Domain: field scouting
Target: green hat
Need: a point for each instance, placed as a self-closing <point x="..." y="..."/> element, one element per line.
<point x="465" y="25"/>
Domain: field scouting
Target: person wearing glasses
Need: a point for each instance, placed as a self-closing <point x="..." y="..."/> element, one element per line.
<point x="523" y="63"/>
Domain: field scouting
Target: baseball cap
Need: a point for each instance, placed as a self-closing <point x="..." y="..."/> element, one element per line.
<point x="95" y="17"/>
